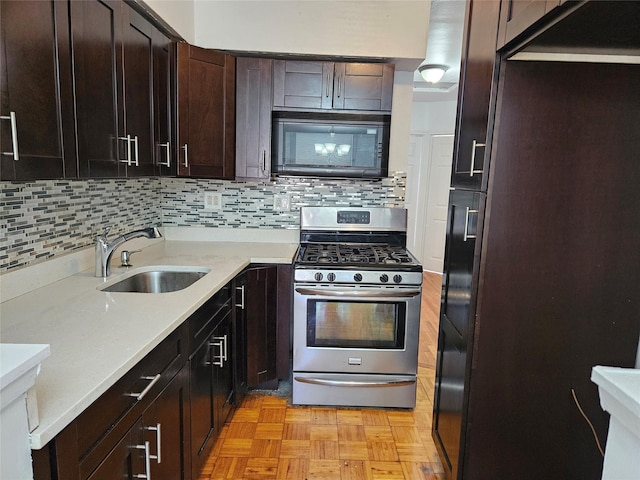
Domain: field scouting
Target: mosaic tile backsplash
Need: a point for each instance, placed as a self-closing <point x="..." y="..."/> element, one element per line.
<point x="43" y="219"/>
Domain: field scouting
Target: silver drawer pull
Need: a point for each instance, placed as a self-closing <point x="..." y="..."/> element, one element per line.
<point x="475" y="145"/>
<point x="140" y="396"/>
<point x="128" y="140"/>
<point x="186" y="155"/>
<point x="135" y="141"/>
<point x="158" y="456"/>
<point x="14" y="135"/>
<point x="241" y="289"/>
<point x="168" y="147"/>
<point x="466" y="224"/>
<point x="147" y="461"/>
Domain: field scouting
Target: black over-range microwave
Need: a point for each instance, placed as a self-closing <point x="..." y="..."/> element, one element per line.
<point x="330" y="145"/>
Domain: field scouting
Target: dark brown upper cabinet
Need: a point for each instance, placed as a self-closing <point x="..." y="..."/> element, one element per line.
<point x="253" y="118"/>
<point x="164" y="134"/>
<point x="519" y="15"/>
<point x="114" y="51"/>
<point x="474" y="95"/>
<point x="36" y="91"/>
<point x="206" y="112"/>
<point x="332" y="86"/>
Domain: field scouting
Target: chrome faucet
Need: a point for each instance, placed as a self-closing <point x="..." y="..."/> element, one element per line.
<point x="105" y="249"/>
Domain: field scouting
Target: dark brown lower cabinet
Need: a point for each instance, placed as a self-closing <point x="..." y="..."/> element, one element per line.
<point x="165" y="423"/>
<point x="211" y="398"/>
<point x="127" y="459"/>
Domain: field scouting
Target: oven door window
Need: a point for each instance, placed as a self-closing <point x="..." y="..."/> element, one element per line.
<point x="352" y="324"/>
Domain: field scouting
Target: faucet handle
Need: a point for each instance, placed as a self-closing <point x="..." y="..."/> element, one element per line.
<point x="104" y="234"/>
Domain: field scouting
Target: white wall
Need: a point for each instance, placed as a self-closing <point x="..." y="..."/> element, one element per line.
<point x="177" y="13"/>
<point x="394" y="29"/>
<point x="433" y="117"/>
<point x="401" y="112"/>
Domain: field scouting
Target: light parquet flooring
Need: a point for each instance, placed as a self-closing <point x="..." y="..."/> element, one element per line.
<point x="268" y="438"/>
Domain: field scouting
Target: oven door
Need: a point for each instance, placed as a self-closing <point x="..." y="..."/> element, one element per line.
<point x="356" y="329"/>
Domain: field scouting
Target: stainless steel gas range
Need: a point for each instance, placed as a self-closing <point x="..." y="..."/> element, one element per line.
<point x="356" y="319"/>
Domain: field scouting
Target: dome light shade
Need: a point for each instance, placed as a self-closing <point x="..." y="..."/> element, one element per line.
<point x="432" y="73"/>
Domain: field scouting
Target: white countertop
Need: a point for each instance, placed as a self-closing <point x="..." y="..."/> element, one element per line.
<point x="96" y="337"/>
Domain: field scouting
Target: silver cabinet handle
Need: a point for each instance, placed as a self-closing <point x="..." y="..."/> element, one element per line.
<point x="264" y="160"/>
<point x="241" y="289"/>
<point x="140" y="396"/>
<point x="466" y="224"/>
<point x="128" y="140"/>
<point x="218" y="360"/>
<point x="14" y="135"/>
<point x="339" y="81"/>
<point x="168" y="147"/>
<point x="135" y="141"/>
<point x="222" y="343"/>
<point x="328" y="80"/>
<point x="158" y="456"/>
<point x="147" y="461"/>
<point x="475" y="145"/>
<point x="186" y="155"/>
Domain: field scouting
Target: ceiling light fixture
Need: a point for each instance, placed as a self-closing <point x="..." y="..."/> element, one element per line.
<point x="432" y="73"/>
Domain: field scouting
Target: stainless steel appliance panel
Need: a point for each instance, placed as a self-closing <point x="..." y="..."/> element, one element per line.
<point x="354" y="351"/>
<point x="358" y="390"/>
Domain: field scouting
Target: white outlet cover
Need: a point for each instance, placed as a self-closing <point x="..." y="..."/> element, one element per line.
<point x="282" y="202"/>
<point x="212" y="201"/>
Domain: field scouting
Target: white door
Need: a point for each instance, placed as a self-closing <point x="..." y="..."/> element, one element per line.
<point x="435" y="218"/>
<point x="417" y="171"/>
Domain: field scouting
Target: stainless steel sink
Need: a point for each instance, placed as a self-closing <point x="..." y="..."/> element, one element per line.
<point x="157" y="281"/>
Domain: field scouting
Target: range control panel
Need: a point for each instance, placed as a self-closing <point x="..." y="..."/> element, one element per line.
<point x="353" y="218"/>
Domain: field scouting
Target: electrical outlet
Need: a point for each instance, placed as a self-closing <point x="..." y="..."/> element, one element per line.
<point x="212" y="201"/>
<point x="282" y="202"/>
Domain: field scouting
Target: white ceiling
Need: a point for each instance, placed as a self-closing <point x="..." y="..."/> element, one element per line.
<point x="444" y="46"/>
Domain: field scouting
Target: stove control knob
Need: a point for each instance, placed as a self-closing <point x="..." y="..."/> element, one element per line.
<point x="357" y="277"/>
<point x="318" y="277"/>
<point x="384" y="278"/>
<point x="331" y="277"/>
<point x="397" y="278"/>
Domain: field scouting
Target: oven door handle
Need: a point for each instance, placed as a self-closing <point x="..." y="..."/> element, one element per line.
<point x="358" y="293"/>
<point x="354" y="383"/>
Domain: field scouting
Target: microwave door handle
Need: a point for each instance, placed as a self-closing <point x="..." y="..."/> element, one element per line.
<point x="357" y="293"/>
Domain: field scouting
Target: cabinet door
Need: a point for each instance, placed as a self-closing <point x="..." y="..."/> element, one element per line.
<point x="206" y="113"/>
<point x="261" y="325"/>
<point x="126" y="459"/>
<point x="253" y="118"/>
<point x="449" y="392"/>
<point x="164" y="154"/>
<point x="97" y="55"/>
<point x="222" y="359"/>
<point x="301" y="84"/>
<point x="479" y="53"/>
<point x="35" y="78"/>
<point x="138" y="92"/>
<point x="164" y="424"/>
<point x="363" y="86"/>
<point x="457" y="312"/>
<point x="518" y="15"/>
<point x="201" y="401"/>
<point x="464" y="227"/>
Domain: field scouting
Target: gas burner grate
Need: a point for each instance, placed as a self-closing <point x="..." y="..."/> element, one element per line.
<point x="353" y="254"/>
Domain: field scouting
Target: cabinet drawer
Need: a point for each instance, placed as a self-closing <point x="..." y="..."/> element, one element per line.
<point x="205" y="319"/>
<point x="127" y="398"/>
